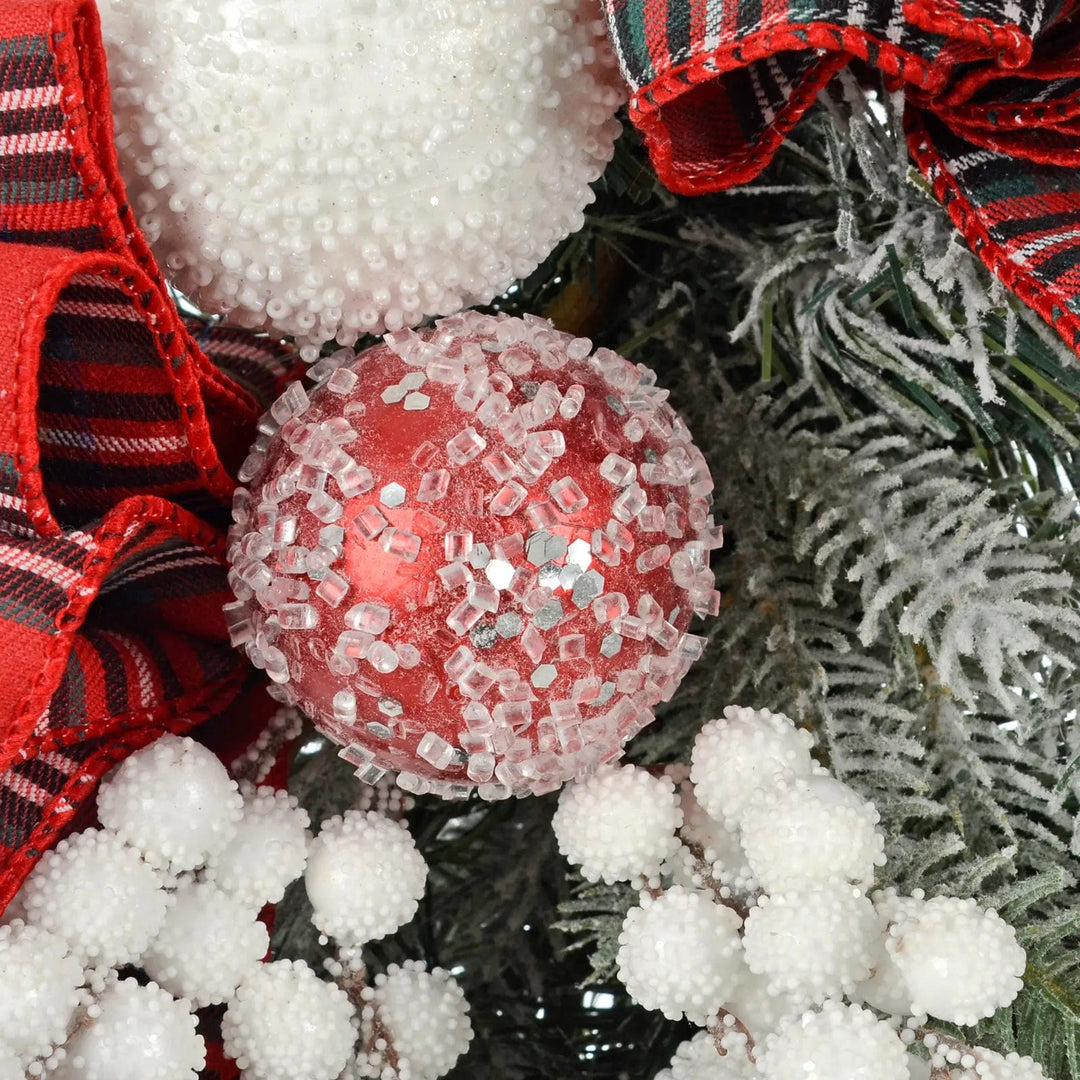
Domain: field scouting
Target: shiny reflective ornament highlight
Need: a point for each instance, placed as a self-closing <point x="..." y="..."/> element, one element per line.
<point x="487" y="589"/>
<point x="341" y="167"/>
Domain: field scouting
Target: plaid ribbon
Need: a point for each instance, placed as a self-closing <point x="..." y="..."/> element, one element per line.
<point x="119" y="427"/>
<point x="992" y="108"/>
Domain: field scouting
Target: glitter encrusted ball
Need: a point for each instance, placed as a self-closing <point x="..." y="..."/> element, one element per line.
<point x="344" y="166"/>
<point x="472" y="555"/>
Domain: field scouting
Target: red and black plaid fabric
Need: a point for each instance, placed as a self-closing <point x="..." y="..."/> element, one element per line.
<point x="992" y="116"/>
<point x="119" y="427"/>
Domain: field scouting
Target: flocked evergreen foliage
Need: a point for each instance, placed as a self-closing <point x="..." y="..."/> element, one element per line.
<point x="894" y="443"/>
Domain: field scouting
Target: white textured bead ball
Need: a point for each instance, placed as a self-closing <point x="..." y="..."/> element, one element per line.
<point x="618" y="823"/>
<point x="680" y="953"/>
<point x="720" y="846"/>
<point x="285" y="1023"/>
<point x="961" y="962"/>
<point x="364" y="877"/>
<point x="39" y="990"/>
<point x="206" y="945"/>
<point x="10" y="1066"/>
<point x="174" y="801"/>
<point x="741" y="752"/>
<point x="99" y="896"/>
<point x="817" y="941"/>
<point x="135" y="1032"/>
<point x="813" y="829"/>
<point x="698" y="1059"/>
<point x="427" y="1016"/>
<point x="761" y="1005"/>
<point x="344" y="166"/>
<point x="886" y="989"/>
<point x="840" y="1042"/>
<point x="268" y="850"/>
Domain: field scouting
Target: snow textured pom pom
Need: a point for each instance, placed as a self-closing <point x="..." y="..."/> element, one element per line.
<point x="268" y="850"/>
<point x="66" y="893"/>
<point x="39" y="990"/>
<point x="364" y="877"/>
<point x="618" y="823"/>
<point x="886" y="989"/>
<point x="134" y="1032"/>
<point x="206" y="945"/>
<point x="370" y="163"/>
<point x="427" y="1017"/>
<point x="698" y="1059"/>
<point x="961" y="962"/>
<point x="840" y="1042"/>
<point x="680" y="953"/>
<point x="285" y="1023"/>
<point x="174" y="801"/>
<point x="816" y="941"/>
<point x="814" y="829"/>
<point x="736" y="755"/>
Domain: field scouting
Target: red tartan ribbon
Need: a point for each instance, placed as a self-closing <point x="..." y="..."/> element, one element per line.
<point x="992" y="115"/>
<point x="119" y="430"/>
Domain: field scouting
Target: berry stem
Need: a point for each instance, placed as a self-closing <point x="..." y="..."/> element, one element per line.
<point x="258" y="759"/>
<point x="352" y="978"/>
<point x="725" y="1022"/>
<point x="722" y="894"/>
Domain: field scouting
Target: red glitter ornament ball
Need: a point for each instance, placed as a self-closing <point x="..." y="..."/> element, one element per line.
<point x="472" y="554"/>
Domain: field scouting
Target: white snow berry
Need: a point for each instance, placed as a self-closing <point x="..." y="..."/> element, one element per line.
<point x="816" y="941"/>
<point x="205" y="946"/>
<point x="720" y="846"/>
<point x="886" y="989"/>
<point x="268" y="850"/>
<point x="174" y="801"/>
<point x="10" y="1066"/>
<point x="698" y="1059"/>
<point x="134" y="1032"/>
<point x="760" y="1004"/>
<point x="618" y="823"/>
<point x="814" y="829"/>
<point x="680" y="953"/>
<point x="427" y="1016"/>
<point x="285" y="1023"/>
<point x="735" y="756"/>
<point x="918" y="1068"/>
<point x="99" y="896"/>
<point x="992" y="1066"/>
<point x="839" y="1042"/>
<point x="961" y="962"/>
<point x="364" y="877"/>
<point x="39" y="990"/>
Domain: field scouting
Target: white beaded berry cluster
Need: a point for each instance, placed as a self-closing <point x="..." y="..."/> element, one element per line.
<point x="334" y="168"/>
<point x="755" y="919"/>
<point x="173" y="883"/>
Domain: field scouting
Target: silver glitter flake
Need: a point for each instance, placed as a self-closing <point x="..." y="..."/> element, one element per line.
<point x="580" y="554"/>
<point x="548" y="575"/>
<point x="605" y="693"/>
<point x="544" y="676"/>
<point x="415" y="402"/>
<point x="484" y="635"/>
<point x="389" y="706"/>
<point x="542" y="547"/>
<point x="508" y="625"/>
<point x="380" y="731"/>
<point x="611" y="646"/>
<point x="392" y="495"/>
<point x="617" y="406"/>
<point x="479" y="556"/>
<point x="549" y="616"/>
<point x="528" y="389"/>
<point x="587" y="587"/>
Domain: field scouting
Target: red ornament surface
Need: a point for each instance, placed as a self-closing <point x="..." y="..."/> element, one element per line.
<point x="472" y="555"/>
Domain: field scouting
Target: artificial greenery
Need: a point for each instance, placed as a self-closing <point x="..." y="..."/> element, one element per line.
<point x="893" y="439"/>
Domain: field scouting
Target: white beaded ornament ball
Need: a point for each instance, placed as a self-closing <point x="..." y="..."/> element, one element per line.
<point x="812" y="829"/>
<point x="473" y="553"/>
<point x="268" y="850"/>
<point x="961" y="962"/>
<point x="720" y="847"/>
<point x="285" y="1023"/>
<point x="680" y="953"/>
<point x="839" y="1042"/>
<point x="738" y="754"/>
<point x="205" y="946"/>
<point x="39" y="990"/>
<point x="364" y="877"/>
<point x="342" y="167"/>
<point x="886" y="989"/>
<point x="815" y="942"/>
<point x="698" y="1059"/>
<point x="618" y="823"/>
<point x="105" y="927"/>
<point x="427" y="1016"/>
<point x="173" y="801"/>
<point x="134" y="1032"/>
